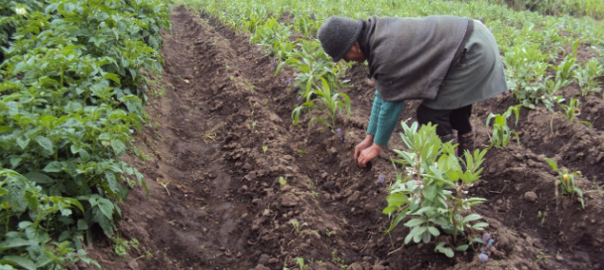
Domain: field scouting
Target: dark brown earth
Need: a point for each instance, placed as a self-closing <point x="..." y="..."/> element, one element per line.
<point x="222" y="206"/>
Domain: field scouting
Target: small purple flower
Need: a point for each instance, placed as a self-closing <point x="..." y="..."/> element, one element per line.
<point x="339" y="131"/>
<point x="381" y="178"/>
<point x="483" y="257"/>
<point x="490" y="243"/>
<point x="486" y="237"/>
<point x="299" y="99"/>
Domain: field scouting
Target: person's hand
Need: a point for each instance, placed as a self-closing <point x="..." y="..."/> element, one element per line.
<point x="366" y="143"/>
<point x="368" y="154"/>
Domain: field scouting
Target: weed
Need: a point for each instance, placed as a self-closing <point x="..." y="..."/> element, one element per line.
<point x="337" y="260"/>
<point x="297" y="226"/>
<point x="282" y="181"/>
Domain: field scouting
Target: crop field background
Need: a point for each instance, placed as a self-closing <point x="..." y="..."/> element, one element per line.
<point x="207" y="134"/>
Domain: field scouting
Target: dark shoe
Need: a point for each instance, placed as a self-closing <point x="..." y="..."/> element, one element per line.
<point x="467" y="142"/>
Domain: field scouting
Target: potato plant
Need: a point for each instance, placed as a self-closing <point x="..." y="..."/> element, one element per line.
<point x="71" y="84"/>
<point x="433" y="189"/>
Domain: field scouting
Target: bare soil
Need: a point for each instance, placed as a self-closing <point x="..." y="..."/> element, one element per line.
<point x="216" y="202"/>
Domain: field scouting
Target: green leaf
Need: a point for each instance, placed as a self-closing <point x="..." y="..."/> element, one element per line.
<point x="118" y="147"/>
<point x="111" y="181"/>
<point x="397" y="199"/>
<point x="32" y="201"/>
<point x="54" y="166"/>
<point x="18" y="261"/>
<point x="440" y="247"/>
<point x="552" y="164"/>
<point x="471" y="217"/>
<point x="434" y="231"/>
<point x="82" y="225"/>
<point x="480" y="226"/>
<point x="23" y="142"/>
<point x="402" y="215"/>
<point x="430" y="192"/>
<point x="106" y="207"/>
<point x="6" y="129"/>
<point x="389" y="209"/>
<point x="39" y="178"/>
<point x="15" y="161"/>
<point x="415" y="222"/>
<point x="16" y="242"/>
<point x="46" y="143"/>
<point x="462" y="248"/>
<point x="84" y="155"/>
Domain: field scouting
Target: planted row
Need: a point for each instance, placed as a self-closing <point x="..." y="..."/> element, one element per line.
<point x="71" y="97"/>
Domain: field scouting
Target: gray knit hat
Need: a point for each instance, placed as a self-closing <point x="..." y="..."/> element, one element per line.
<point x="338" y="34"/>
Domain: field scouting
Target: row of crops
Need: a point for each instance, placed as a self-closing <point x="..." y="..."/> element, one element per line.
<point x="71" y="89"/>
<point x="541" y="55"/>
<point x="540" y="52"/>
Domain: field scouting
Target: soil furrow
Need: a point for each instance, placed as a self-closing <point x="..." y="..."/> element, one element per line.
<point x="224" y="140"/>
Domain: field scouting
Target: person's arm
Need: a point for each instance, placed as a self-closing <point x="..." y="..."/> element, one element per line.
<point x="375" y="112"/>
<point x="387" y="118"/>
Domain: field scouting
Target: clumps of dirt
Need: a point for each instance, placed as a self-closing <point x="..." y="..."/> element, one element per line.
<point x="233" y="185"/>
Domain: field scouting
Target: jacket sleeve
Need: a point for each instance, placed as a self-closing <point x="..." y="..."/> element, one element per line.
<point x="384" y="116"/>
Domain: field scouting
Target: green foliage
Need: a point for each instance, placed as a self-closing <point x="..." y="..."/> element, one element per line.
<point x="306" y="26"/>
<point x="433" y="191"/>
<point x="570" y="112"/>
<point x="122" y="246"/>
<point x="525" y="68"/>
<point x="268" y="34"/>
<point x="25" y="218"/>
<point x="301" y="263"/>
<point x="566" y="182"/>
<point x="501" y="131"/>
<point x="326" y="103"/>
<point x="71" y="93"/>
<point x="586" y="77"/>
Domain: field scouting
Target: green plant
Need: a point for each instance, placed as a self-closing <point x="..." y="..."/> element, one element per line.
<point x="24" y="219"/>
<point x="264" y="148"/>
<point x="501" y="131"/>
<point x="525" y="70"/>
<point x="73" y="88"/>
<point x="565" y="71"/>
<point x="122" y="246"/>
<point x="306" y="25"/>
<point x="337" y="260"/>
<point x="327" y="103"/>
<point x="269" y="33"/>
<point x="282" y="181"/>
<point x="297" y="226"/>
<point x="586" y="77"/>
<point x="569" y="112"/>
<point x="433" y="191"/>
<point x="301" y="263"/>
<point x="566" y="182"/>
